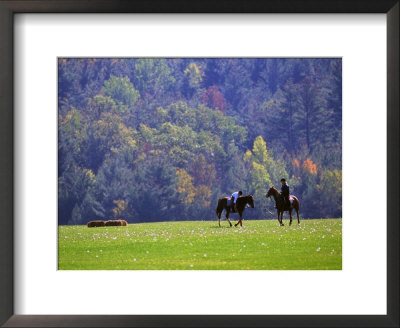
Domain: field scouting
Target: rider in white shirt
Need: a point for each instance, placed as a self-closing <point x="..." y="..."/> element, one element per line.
<point x="235" y="196"/>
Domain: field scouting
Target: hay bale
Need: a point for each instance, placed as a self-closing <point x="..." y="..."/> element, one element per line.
<point x="111" y="223"/>
<point x="116" y="223"/>
<point x="96" y="223"/>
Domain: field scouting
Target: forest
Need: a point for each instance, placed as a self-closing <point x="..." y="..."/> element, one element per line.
<point x="161" y="139"/>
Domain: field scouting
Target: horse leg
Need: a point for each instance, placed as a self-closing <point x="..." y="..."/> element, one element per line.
<point x="298" y="220"/>
<point x="219" y="217"/>
<point x="281" y="221"/>
<point x="240" y="220"/>
<point x="227" y="217"/>
<point x="290" y="214"/>
<point x="279" y="214"/>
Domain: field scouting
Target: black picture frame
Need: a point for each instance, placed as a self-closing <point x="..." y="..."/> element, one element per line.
<point x="10" y="7"/>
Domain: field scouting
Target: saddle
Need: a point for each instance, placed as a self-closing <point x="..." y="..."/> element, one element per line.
<point x="284" y="204"/>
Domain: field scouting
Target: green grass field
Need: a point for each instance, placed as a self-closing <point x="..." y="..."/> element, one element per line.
<point x="202" y="245"/>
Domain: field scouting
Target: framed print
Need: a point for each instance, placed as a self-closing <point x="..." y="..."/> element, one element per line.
<point x="89" y="135"/>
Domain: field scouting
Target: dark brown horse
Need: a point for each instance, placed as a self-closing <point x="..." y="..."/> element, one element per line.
<point x="241" y="203"/>
<point x="281" y="207"/>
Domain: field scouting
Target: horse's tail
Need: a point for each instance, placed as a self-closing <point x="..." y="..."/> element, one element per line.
<point x="218" y="207"/>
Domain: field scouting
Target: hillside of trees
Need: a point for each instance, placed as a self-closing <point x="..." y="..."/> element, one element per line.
<point x="162" y="139"/>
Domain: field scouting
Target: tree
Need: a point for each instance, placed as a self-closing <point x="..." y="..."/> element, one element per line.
<point x="118" y="210"/>
<point x="203" y="173"/>
<point x="100" y="104"/>
<point x="122" y="91"/>
<point x="313" y="120"/>
<point x="153" y="190"/>
<point x="307" y="189"/>
<point x="153" y="78"/>
<point x="257" y="161"/>
<point x="185" y="187"/>
<point x="213" y="98"/>
<point x="290" y="104"/>
<point x="77" y="201"/>
<point x="114" y="136"/>
<point x="71" y="139"/>
<point x="194" y="74"/>
<point x="330" y="194"/>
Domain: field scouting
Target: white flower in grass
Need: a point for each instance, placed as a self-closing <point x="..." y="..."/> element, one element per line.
<point x="205" y="255"/>
<point x="88" y="251"/>
<point x="318" y="249"/>
<point x="134" y="260"/>
<point x="323" y="236"/>
<point x="191" y="265"/>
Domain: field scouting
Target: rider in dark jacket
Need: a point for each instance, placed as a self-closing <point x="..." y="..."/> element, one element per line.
<point x="285" y="192"/>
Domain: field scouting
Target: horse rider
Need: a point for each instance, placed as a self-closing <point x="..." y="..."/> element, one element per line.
<point x="285" y="192"/>
<point x="235" y="196"/>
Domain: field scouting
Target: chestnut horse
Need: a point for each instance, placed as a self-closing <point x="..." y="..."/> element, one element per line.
<point x="241" y="203"/>
<point x="279" y="205"/>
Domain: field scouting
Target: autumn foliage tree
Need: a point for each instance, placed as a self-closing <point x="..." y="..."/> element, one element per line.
<point x="213" y="98"/>
<point x="185" y="187"/>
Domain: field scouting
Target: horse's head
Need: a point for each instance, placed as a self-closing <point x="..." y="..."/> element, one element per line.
<point x="250" y="201"/>
<point x="270" y="192"/>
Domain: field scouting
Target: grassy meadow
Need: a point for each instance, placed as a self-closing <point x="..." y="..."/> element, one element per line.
<point x="202" y="245"/>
